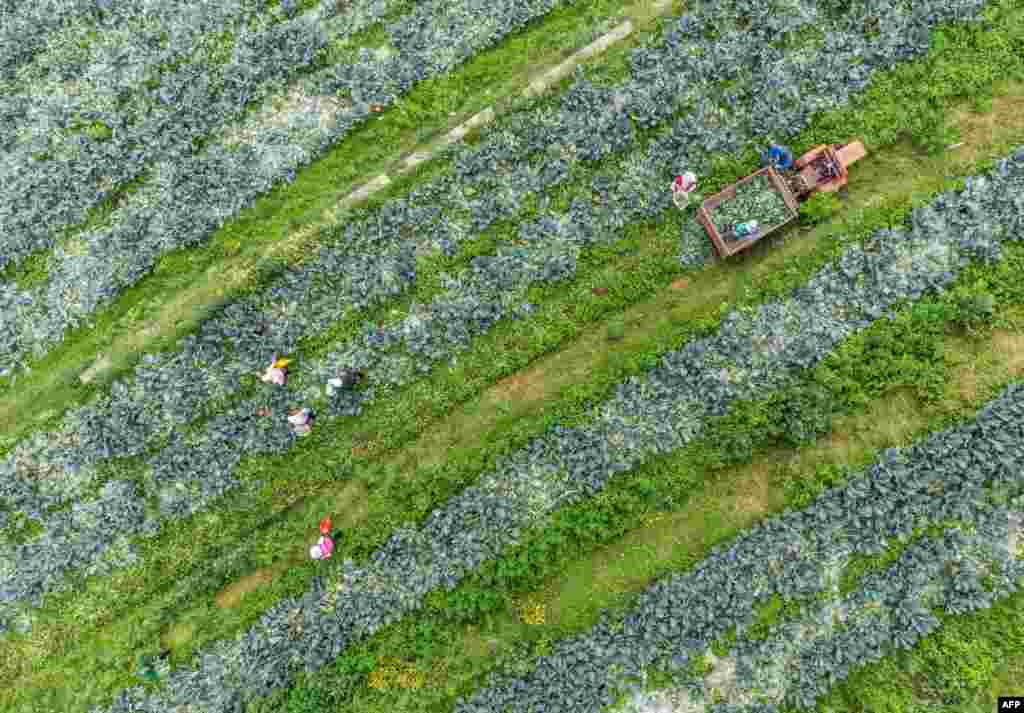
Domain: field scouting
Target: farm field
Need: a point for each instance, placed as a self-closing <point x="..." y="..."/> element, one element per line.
<point x="588" y="465"/>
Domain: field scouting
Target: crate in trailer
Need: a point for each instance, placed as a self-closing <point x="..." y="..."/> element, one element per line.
<point x="723" y="234"/>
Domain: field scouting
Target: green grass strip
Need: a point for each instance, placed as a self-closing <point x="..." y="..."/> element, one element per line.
<point x="431" y="269"/>
<point x="602" y="310"/>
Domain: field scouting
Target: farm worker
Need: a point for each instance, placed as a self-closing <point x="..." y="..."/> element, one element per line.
<point x="347" y="379"/>
<point x="274" y="376"/>
<point x="277" y="372"/>
<point x="147" y="666"/>
<point x="778" y="156"/>
<point x="351" y="377"/>
<point x="323" y="548"/>
<point x="299" y="419"/>
<point x="682" y="187"/>
<point x="748" y="228"/>
<point x="685" y="183"/>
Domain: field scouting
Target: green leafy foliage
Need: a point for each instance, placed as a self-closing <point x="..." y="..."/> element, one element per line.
<point x="309" y="699"/>
<point x="532" y="558"/>
<point x="909" y="354"/>
<point x="616" y="330"/>
<point x="576" y="530"/>
<point x="819" y="208"/>
<point x="976" y="312"/>
<point x="674" y="621"/>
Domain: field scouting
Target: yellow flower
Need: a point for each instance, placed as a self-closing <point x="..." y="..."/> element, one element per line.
<point x="411" y="678"/>
<point x="377" y="680"/>
<point x="281" y="363"/>
<point x="649" y="519"/>
<point x="533" y="614"/>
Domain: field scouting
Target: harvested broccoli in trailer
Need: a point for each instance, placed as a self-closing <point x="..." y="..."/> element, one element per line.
<point x="755" y="200"/>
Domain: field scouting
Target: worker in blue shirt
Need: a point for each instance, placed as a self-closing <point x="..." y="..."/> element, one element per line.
<point x="778" y="156"/>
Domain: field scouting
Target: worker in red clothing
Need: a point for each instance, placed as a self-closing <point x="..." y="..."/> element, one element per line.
<point x="682" y="188"/>
<point x="323" y="548"/>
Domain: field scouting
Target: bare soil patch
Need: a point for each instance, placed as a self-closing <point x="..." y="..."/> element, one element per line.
<point x="231" y="596"/>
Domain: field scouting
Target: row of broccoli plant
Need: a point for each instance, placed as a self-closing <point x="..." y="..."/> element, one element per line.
<point x="101" y="60"/>
<point x="966" y="660"/>
<point x="395" y="497"/>
<point x="80" y="283"/>
<point x="596" y="521"/>
<point x="188" y="196"/>
<point x="906" y="351"/>
<point x="81" y="90"/>
<point x="957" y="580"/>
<point x="970" y="475"/>
<point x="169" y="392"/>
<point x="84" y="72"/>
<point x="658" y="413"/>
<point x="26" y="28"/>
<point x="902" y="352"/>
<point x="330" y="76"/>
<point x="152" y="124"/>
<point x="300" y="306"/>
<point x="67" y="37"/>
<point x="213" y="454"/>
